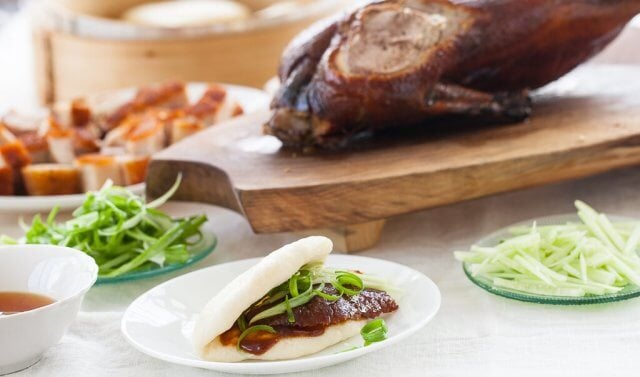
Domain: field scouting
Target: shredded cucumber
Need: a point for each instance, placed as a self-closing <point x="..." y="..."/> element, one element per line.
<point x="592" y="257"/>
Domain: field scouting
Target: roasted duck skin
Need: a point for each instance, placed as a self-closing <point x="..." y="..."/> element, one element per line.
<point x="408" y="62"/>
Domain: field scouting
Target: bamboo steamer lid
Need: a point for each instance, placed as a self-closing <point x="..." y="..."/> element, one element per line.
<point x="83" y="47"/>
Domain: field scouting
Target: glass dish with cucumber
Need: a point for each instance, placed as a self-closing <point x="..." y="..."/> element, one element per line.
<point x="568" y="259"/>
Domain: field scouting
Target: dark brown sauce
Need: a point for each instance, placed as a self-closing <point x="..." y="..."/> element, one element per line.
<point x="312" y="318"/>
<point x="16" y="302"/>
<point x="260" y="342"/>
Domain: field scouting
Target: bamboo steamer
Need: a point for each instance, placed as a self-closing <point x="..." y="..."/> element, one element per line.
<point x="81" y="47"/>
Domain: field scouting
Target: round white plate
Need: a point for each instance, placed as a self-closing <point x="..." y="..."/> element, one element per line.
<point x="250" y="99"/>
<point x="159" y="323"/>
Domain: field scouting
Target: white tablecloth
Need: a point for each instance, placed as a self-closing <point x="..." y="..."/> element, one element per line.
<point x="475" y="333"/>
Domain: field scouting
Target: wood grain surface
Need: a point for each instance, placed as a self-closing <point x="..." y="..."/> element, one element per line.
<point x="587" y="123"/>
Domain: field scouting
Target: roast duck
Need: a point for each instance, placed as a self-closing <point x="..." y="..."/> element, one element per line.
<point x="399" y="63"/>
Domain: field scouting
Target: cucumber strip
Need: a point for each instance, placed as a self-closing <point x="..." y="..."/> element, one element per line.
<point x="598" y="259"/>
<point x="537" y="289"/>
<point x="583" y="268"/>
<point x="610" y="231"/>
<point x="601" y="276"/>
<point x="569" y="268"/>
<point x="534" y="270"/>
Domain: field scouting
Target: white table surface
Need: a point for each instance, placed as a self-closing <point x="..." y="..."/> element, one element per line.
<point x="475" y="333"/>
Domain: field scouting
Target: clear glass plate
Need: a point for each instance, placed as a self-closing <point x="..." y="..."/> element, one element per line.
<point x="628" y="292"/>
<point x="198" y="253"/>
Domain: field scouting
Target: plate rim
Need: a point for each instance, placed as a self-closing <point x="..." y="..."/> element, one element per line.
<point x="547" y="299"/>
<point x="32" y="202"/>
<point x="294" y="365"/>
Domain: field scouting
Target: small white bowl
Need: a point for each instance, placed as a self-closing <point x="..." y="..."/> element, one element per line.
<point x="62" y="273"/>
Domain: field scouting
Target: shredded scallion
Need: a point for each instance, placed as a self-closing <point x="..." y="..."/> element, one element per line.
<point x="251" y="330"/>
<point x="120" y="231"/>
<point x="309" y="282"/>
<point x="374" y="331"/>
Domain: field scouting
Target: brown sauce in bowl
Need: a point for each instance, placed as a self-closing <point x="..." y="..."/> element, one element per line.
<point x="16" y="302"/>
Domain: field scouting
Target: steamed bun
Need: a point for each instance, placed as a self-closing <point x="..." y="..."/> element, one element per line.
<point x="185" y="13"/>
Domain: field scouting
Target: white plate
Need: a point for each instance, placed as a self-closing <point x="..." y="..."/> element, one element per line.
<point x="159" y="323"/>
<point x="250" y="99"/>
<point x="44" y="204"/>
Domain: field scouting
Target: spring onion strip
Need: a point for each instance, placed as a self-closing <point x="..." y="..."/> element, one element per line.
<point x="593" y="257"/>
<point x="327" y="296"/>
<point x="345" y="279"/>
<point x="251" y="330"/>
<point x="163" y="198"/>
<point x="275" y="297"/>
<point x="290" y="317"/>
<point x="293" y="285"/>
<point x="124" y="225"/>
<point x="120" y="231"/>
<point x="313" y="278"/>
<point x="242" y="323"/>
<point x="280" y="308"/>
<point x="374" y="331"/>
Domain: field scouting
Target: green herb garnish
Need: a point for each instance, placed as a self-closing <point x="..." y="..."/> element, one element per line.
<point x="242" y="322"/>
<point x="309" y="282"/>
<point x="251" y="330"/>
<point x="280" y="308"/>
<point x="374" y="331"/>
<point x="290" y="316"/>
<point x="344" y="279"/>
<point x="120" y="231"/>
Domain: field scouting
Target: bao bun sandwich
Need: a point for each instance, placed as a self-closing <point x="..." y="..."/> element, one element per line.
<point x="287" y="306"/>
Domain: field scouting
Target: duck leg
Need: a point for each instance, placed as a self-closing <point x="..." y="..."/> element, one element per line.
<point x="450" y="99"/>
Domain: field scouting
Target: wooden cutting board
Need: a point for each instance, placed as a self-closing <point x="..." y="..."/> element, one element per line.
<point x="586" y="123"/>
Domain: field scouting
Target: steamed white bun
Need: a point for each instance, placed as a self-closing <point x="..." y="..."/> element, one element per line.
<point x="185" y="13"/>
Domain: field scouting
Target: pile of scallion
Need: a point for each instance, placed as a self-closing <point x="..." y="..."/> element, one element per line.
<point x="592" y="257"/>
<point x="120" y="231"/>
<point x="303" y="286"/>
